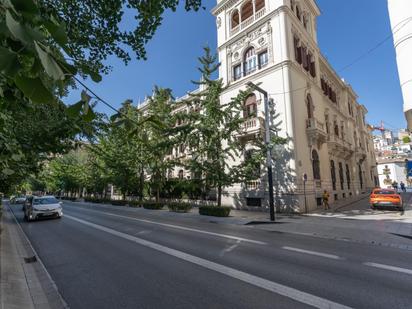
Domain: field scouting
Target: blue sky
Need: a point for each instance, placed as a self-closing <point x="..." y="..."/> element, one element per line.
<point x="346" y="30"/>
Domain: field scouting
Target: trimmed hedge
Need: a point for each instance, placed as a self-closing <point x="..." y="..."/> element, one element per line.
<point x="214" y="211"/>
<point x="66" y="198"/>
<point x="152" y="205"/>
<point x="96" y="200"/>
<point x="118" y="202"/>
<point x="135" y="203"/>
<point x="179" y="207"/>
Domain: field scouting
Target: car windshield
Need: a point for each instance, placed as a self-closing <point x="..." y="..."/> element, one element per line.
<point x="384" y="192"/>
<point x="45" y="201"/>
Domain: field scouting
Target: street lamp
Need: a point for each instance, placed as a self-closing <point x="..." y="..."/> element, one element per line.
<point x="267" y="142"/>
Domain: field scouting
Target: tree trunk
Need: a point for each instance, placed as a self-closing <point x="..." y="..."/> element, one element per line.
<point x="141" y="184"/>
<point x="219" y="196"/>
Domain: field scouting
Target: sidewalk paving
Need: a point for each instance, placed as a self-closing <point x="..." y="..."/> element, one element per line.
<point x="23" y="285"/>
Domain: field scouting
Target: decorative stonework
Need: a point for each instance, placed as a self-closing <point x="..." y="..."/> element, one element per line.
<point x="218" y="22"/>
<point x="258" y="38"/>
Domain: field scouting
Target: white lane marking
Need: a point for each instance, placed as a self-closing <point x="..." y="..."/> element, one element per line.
<point x="231" y="248"/>
<point x="329" y="256"/>
<point x="185" y="228"/>
<point x="271" y="286"/>
<point x="389" y="267"/>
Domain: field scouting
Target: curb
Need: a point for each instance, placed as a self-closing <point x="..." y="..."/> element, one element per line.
<point x="63" y="303"/>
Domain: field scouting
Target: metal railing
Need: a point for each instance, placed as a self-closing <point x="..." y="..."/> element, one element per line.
<point x="245" y="23"/>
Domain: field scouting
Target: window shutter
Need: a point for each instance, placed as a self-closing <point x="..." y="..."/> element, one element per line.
<point x="299" y="53"/>
<point x="304" y="57"/>
<point x="308" y="59"/>
<point x="295" y="44"/>
<point x="312" y="69"/>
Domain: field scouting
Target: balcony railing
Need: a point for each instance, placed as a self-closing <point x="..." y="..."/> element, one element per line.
<point x="312" y="123"/>
<point x="253" y="185"/>
<point x="247" y="22"/>
<point x="252" y="125"/>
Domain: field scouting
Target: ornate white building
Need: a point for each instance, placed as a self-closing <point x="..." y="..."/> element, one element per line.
<point x="273" y="43"/>
<point x="401" y="22"/>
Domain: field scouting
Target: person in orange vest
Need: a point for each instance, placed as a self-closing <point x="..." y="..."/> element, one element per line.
<point x="325" y="200"/>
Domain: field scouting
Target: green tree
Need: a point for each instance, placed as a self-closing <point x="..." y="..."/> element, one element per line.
<point x="406" y="139"/>
<point x="119" y="152"/>
<point x="214" y="136"/>
<point x="162" y="137"/>
<point x="44" y="44"/>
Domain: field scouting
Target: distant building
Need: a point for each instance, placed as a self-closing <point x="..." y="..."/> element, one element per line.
<point x="391" y="170"/>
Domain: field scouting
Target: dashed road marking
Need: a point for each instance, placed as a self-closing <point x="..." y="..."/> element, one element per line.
<point x="294" y="294"/>
<point x="185" y="228"/>
<point x="389" y="267"/>
<point x="325" y="255"/>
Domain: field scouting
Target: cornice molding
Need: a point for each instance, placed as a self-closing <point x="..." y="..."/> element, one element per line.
<point x="223" y="5"/>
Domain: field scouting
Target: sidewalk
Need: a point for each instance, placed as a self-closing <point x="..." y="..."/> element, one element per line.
<point x="23" y="284"/>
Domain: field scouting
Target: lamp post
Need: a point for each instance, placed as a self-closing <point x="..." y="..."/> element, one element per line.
<point x="267" y="142"/>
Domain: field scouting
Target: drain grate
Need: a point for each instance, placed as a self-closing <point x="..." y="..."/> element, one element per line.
<point x="30" y="259"/>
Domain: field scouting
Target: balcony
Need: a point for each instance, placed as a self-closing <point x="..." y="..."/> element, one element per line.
<point x="247" y="22"/>
<point x="254" y="188"/>
<point x="360" y="153"/>
<point x="340" y="147"/>
<point x="252" y="126"/>
<point x="316" y="131"/>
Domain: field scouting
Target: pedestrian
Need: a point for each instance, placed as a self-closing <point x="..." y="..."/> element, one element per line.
<point x="403" y="188"/>
<point x="395" y="185"/>
<point x="325" y="200"/>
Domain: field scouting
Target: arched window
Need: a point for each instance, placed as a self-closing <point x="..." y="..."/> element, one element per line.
<point x="309" y="106"/>
<point x="181" y="174"/>
<point x="333" y="174"/>
<point x="348" y="176"/>
<point x="315" y="165"/>
<point x="235" y="20"/>
<point x="249" y="61"/>
<point x="250" y="108"/>
<point x="341" y="175"/>
<point x="247" y="10"/>
<point x="259" y="5"/>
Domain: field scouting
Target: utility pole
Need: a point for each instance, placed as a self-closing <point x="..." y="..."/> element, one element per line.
<point x="267" y="142"/>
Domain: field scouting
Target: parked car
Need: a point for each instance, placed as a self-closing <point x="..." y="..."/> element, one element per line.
<point x="385" y="198"/>
<point x="42" y="207"/>
<point x="18" y="200"/>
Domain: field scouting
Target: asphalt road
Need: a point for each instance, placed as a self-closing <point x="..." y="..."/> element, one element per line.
<point x="122" y="258"/>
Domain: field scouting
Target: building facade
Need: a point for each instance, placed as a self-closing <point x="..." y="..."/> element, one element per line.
<point x="273" y="43"/>
<point x="401" y="23"/>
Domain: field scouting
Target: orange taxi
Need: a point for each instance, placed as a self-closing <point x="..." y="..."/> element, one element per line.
<point x="383" y="198"/>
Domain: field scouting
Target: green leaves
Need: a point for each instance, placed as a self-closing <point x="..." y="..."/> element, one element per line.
<point x="25" y="6"/>
<point x="82" y="108"/>
<point x="50" y="65"/>
<point x="34" y="89"/>
<point x="57" y="31"/>
<point x="96" y="77"/>
<point x="21" y="32"/>
<point x="9" y="63"/>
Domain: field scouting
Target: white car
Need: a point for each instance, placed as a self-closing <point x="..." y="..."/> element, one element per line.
<point x="41" y="207"/>
<point x="18" y="200"/>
